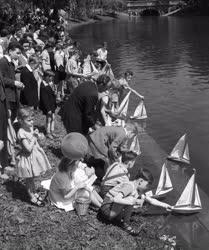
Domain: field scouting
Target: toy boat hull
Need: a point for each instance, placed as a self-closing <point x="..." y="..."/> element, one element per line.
<point x="186" y="210"/>
<point x="138" y="118"/>
<point x="171" y="158"/>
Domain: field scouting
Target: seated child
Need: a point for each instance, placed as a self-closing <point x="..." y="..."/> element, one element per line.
<point x="71" y="176"/>
<point x="120" y="200"/>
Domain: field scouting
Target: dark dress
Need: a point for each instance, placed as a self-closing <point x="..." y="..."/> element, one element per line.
<point x="47" y="99"/>
<point x="29" y="95"/>
<point x="79" y="112"/>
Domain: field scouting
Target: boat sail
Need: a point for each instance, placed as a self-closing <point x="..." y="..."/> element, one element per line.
<point x="122" y="111"/>
<point x="164" y="185"/>
<point x="189" y="201"/>
<point x="140" y="112"/>
<point x="135" y="147"/>
<point x="181" y="151"/>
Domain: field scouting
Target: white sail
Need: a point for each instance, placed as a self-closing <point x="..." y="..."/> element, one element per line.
<point x="164" y="184"/>
<point x="181" y="151"/>
<point x="135" y="147"/>
<point x="189" y="200"/>
<point x="140" y="112"/>
<point x="186" y="153"/>
<point x="123" y="108"/>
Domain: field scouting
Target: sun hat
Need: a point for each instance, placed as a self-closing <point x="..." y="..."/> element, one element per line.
<point x="74" y="146"/>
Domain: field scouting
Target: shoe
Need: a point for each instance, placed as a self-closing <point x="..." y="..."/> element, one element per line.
<point x="49" y="136"/>
<point x="126" y="227"/>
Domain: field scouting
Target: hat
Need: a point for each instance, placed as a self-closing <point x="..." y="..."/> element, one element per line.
<point x="74" y="146"/>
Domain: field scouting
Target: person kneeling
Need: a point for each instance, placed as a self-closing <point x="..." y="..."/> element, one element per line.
<point x="119" y="201"/>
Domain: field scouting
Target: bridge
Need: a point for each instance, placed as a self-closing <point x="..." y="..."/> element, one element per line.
<point x="157" y="7"/>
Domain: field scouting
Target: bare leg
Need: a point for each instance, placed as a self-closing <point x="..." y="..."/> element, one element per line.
<point x="52" y="123"/>
<point x="48" y="124"/>
<point x="96" y="199"/>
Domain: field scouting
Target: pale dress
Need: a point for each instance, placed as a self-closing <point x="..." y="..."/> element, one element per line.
<point x="62" y="183"/>
<point x="34" y="163"/>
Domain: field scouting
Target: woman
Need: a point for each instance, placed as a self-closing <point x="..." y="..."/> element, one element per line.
<point x="79" y="110"/>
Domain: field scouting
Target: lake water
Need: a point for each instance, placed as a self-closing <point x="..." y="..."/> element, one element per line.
<point x="170" y="60"/>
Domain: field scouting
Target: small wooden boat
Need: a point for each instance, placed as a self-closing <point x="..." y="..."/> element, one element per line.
<point x="164" y="185"/>
<point x="189" y="201"/>
<point x="180" y="152"/>
<point x="140" y="112"/>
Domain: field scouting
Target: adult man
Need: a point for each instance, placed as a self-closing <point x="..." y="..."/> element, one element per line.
<point x="105" y="145"/>
<point x="79" y="113"/>
<point x="7" y="70"/>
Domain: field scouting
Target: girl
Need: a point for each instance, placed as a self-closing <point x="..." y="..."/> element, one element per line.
<point x="72" y="175"/>
<point x="48" y="102"/>
<point x="32" y="161"/>
<point x="120" y="200"/>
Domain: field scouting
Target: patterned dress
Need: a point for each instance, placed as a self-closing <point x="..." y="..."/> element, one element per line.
<point x="34" y="163"/>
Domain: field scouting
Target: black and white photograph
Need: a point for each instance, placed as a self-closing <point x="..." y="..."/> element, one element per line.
<point x="104" y="125"/>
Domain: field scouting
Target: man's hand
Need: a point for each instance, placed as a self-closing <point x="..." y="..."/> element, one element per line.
<point x="19" y="85"/>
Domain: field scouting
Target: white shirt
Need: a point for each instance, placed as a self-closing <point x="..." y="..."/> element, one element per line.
<point x="102" y="54"/>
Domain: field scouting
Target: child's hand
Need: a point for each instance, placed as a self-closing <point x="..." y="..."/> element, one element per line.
<point x="36" y="132"/>
<point x="169" y="208"/>
<point x="89" y="171"/>
<point x="139" y="202"/>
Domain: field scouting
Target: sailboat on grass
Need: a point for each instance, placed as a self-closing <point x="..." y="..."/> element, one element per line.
<point x="140" y="112"/>
<point x="189" y="201"/>
<point x="180" y="152"/>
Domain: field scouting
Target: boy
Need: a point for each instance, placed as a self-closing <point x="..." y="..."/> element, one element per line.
<point x="119" y="201"/>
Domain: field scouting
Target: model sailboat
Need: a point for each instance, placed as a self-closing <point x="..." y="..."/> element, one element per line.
<point x="135" y="147"/>
<point x="140" y="112"/>
<point x="164" y="184"/>
<point x="181" y="151"/>
<point x="189" y="201"/>
<point x="122" y="111"/>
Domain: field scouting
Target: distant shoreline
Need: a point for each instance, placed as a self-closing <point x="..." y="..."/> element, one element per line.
<point x="75" y="23"/>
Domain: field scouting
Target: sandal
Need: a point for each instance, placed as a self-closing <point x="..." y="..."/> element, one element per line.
<point x="126" y="227"/>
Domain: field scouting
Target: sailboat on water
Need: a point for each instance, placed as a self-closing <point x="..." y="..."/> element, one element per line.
<point x="164" y="185"/>
<point x="181" y="151"/>
<point x="122" y="111"/>
<point x="189" y="201"/>
<point x="140" y="112"/>
<point x="135" y="147"/>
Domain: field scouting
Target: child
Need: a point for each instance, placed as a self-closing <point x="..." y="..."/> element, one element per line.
<point x="32" y="161"/>
<point x="72" y="175"/>
<point x="120" y="200"/>
<point x="118" y="172"/>
<point x="48" y="102"/>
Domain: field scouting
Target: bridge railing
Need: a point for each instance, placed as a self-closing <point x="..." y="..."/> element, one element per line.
<point x="148" y="3"/>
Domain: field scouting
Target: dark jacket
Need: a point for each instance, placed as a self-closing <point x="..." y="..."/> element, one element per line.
<point x="7" y="71"/>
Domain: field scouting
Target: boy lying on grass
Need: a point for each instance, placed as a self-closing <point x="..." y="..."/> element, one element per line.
<point x="120" y="200"/>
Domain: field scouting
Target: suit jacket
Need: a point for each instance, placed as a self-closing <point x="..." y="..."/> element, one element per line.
<point x="7" y="71"/>
<point x="105" y="139"/>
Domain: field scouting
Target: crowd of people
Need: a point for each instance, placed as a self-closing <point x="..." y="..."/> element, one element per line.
<point x="41" y="71"/>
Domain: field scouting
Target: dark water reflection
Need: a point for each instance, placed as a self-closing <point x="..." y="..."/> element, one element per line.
<point x="170" y="59"/>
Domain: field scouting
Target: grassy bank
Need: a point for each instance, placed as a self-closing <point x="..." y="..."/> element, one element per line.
<point x="24" y="226"/>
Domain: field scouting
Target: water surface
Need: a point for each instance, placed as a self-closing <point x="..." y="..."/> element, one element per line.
<point x="170" y="60"/>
